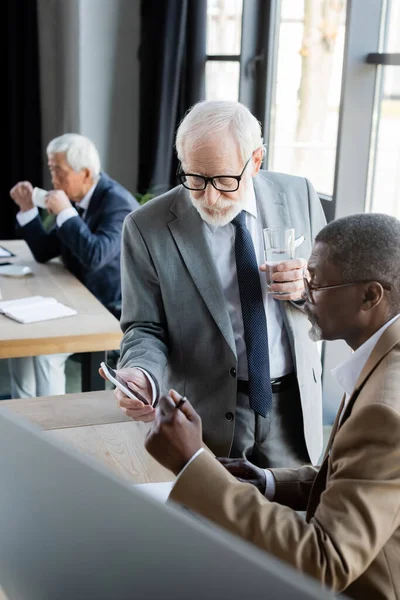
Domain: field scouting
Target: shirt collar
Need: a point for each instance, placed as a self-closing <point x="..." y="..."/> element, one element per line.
<point x="84" y="203"/>
<point x="348" y="372"/>
<point x="250" y="206"/>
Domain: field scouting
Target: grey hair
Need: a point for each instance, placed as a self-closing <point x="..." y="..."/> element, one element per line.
<point x="210" y="117"/>
<point x="366" y="246"/>
<point x="80" y="152"/>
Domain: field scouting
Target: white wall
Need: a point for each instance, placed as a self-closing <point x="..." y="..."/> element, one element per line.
<point x="90" y="78"/>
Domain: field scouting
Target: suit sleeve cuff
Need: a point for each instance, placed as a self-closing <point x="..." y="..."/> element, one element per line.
<point x="195" y="455"/>
<point x="26" y="217"/>
<point x="65" y="215"/>
<point x="270" y="485"/>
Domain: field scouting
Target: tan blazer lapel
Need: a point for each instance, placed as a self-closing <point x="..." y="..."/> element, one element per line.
<point x="385" y="344"/>
<point x="334" y="429"/>
<point x="320" y="480"/>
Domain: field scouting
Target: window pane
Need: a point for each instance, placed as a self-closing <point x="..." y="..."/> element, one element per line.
<point x="386" y="159"/>
<point x="393" y="39"/>
<point x="305" y="110"/>
<point x="385" y="153"/>
<point x="224" y="26"/>
<point x="222" y="80"/>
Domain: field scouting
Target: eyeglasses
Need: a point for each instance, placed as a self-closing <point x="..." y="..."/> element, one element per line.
<point x="309" y="289"/>
<point x="222" y="183"/>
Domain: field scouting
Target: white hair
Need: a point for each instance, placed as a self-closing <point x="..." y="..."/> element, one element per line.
<point x="210" y="117"/>
<point x="80" y="152"/>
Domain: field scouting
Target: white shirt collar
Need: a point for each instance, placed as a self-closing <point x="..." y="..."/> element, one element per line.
<point x="348" y="372"/>
<point x="84" y="203"/>
<point x="250" y="206"/>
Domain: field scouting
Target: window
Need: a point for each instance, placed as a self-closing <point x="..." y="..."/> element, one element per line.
<point x="306" y="90"/>
<point x="224" y="32"/>
<point x="385" y="152"/>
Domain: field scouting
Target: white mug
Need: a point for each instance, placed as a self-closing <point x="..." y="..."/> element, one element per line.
<point x="39" y="197"/>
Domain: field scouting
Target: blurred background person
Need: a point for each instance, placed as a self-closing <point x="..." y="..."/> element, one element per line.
<point x="89" y="209"/>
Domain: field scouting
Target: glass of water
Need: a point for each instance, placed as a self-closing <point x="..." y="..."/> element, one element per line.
<point x="279" y="245"/>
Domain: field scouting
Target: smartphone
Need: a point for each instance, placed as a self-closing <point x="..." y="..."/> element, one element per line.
<point x="121" y="384"/>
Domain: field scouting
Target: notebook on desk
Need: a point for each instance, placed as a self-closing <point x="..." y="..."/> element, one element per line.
<point x="34" y="309"/>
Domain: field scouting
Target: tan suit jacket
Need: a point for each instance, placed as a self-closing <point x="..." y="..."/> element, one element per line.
<point x="350" y="540"/>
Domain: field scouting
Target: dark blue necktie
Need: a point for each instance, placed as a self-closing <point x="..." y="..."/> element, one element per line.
<point x="254" y="321"/>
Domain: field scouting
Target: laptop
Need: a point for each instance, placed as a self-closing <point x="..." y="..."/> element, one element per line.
<point x="72" y="530"/>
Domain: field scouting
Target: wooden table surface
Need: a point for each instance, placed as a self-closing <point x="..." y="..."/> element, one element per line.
<point x="93" y="423"/>
<point x="93" y="329"/>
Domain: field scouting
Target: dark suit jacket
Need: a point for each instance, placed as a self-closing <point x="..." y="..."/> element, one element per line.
<point x="90" y="248"/>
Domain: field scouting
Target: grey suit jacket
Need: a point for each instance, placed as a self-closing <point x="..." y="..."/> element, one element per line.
<point x="174" y="316"/>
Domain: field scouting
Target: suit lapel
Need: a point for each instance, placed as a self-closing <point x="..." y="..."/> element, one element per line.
<point x="389" y="339"/>
<point x="320" y="479"/>
<point x="272" y="205"/>
<point x="189" y="235"/>
<point x="95" y="200"/>
<point x="335" y="427"/>
<point x="385" y="344"/>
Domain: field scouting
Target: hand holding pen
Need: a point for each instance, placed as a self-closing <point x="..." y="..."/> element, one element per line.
<point x="176" y="433"/>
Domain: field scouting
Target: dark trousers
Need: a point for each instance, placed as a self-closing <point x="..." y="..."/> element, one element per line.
<point x="275" y="441"/>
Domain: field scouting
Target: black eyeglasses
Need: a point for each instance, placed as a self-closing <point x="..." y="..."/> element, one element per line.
<point x="222" y="183"/>
<point x="309" y="289"/>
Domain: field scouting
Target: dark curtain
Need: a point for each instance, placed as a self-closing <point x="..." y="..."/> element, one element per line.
<point x="21" y="105"/>
<point x="172" y="78"/>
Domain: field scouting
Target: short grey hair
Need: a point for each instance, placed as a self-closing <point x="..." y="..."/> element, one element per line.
<point x="80" y="152"/>
<point x="366" y="246"/>
<point x="210" y="117"/>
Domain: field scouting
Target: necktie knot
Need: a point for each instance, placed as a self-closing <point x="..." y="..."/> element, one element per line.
<point x="240" y="219"/>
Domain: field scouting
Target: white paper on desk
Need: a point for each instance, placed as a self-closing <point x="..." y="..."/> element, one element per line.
<point x="33" y="314"/>
<point x="15" y="270"/>
<point x="4" y="253"/>
<point x="25" y="302"/>
<point x="160" y="491"/>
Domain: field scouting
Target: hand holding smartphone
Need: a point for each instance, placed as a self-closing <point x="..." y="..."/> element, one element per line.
<point x="121" y="384"/>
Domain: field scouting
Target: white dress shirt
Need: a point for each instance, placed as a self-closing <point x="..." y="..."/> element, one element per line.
<point x="26" y="217"/>
<point x="221" y="241"/>
<point x="346" y="374"/>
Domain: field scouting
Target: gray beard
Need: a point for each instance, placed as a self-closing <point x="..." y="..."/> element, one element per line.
<point x="315" y="333"/>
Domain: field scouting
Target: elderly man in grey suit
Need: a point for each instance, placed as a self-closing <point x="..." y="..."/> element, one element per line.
<point x="196" y="312"/>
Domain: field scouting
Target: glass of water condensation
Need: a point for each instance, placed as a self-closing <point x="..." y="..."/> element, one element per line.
<point x="278" y="247"/>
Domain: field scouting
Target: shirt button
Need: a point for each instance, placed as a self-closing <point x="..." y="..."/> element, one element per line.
<point x="232" y="372"/>
<point x="229" y="416"/>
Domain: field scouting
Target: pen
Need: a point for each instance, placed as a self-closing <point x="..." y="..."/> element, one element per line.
<point x="181" y="401"/>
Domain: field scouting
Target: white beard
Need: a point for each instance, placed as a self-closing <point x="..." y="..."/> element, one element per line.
<point x="315" y="333"/>
<point x="217" y="219"/>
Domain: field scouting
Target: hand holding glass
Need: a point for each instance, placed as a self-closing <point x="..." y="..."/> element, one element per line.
<point x="279" y="245"/>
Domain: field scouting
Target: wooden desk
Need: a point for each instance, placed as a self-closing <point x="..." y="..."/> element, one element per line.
<point x="93" y="330"/>
<point x="94" y="424"/>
